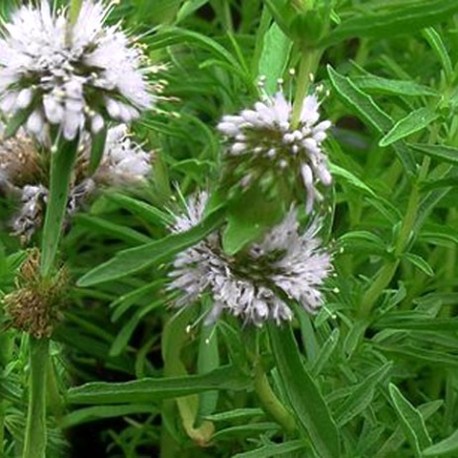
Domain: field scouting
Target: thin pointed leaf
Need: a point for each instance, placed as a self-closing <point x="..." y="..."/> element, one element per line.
<point x="304" y="397"/>
<point x="62" y="162"/>
<point x="414" y="122"/>
<point x="358" y="101"/>
<point x="412" y="421"/>
<point x="138" y="258"/>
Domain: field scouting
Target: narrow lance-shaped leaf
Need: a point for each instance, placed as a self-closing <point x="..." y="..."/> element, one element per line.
<point x="441" y="152"/>
<point x="405" y="18"/>
<point x="376" y="84"/>
<point x="437" y="44"/>
<point x="361" y="396"/>
<point x="98" y="142"/>
<point x="62" y="161"/>
<point x="445" y="447"/>
<point x="138" y="258"/>
<point x="415" y="121"/>
<point x="304" y="397"/>
<point x="361" y="103"/>
<point x="158" y="389"/>
<point x="274" y="57"/>
<point x="412" y="421"/>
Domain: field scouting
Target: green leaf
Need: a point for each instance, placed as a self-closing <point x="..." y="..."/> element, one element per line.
<point x="248" y="217"/>
<point x="403" y="18"/>
<point x="441" y="152"/>
<point x="237" y="414"/>
<point x="275" y="56"/>
<point x="154" y="390"/>
<point x="124" y="335"/>
<point x="394" y="443"/>
<point x="421" y="263"/>
<point x="411" y="420"/>
<point x="437" y="44"/>
<point x="188" y="8"/>
<point x="361" y="396"/>
<point x="113" y="230"/>
<point x="303" y="395"/>
<point x="361" y="103"/>
<point x="62" y="162"/>
<point x="325" y="353"/>
<point x="376" y="84"/>
<point x="415" y="121"/>
<point x="194" y="167"/>
<point x="142" y="209"/>
<point x="208" y="360"/>
<point x="283" y="13"/>
<point x="445" y="447"/>
<point x="351" y="179"/>
<point x="89" y="414"/>
<point x="274" y="450"/>
<point x="138" y="258"/>
<point x="17" y="121"/>
<point x="98" y="142"/>
<point x="169" y="35"/>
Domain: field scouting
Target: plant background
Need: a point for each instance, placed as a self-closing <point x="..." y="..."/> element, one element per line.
<point x="374" y="373"/>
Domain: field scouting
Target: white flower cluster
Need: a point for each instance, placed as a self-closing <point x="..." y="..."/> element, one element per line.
<point x="268" y="135"/>
<point x="286" y="264"/>
<point x="123" y="163"/>
<point x="71" y="76"/>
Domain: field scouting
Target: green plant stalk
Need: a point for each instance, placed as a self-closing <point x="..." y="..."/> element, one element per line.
<point x="270" y="402"/>
<point x="386" y="272"/>
<point x="75" y="8"/>
<point x="62" y="161"/>
<point x="35" y="435"/>
<point x="307" y="69"/>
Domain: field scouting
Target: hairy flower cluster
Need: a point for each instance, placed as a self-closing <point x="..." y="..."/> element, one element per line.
<point x="21" y="176"/>
<point x="35" y="307"/>
<point x="124" y="161"/>
<point x="269" y="140"/>
<point x="286" y="264"/>
<point x="71" y="76"/>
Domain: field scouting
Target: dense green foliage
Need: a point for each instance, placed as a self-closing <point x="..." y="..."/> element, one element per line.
<point x="373" y="374"/>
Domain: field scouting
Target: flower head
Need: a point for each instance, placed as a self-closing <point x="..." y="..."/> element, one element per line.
<point x="22" y="177"/>
<point x="19" y="160"/>
<point x="124" y="161"/>
<point x="273" y="145"/>
<point x="72" y="76"/>
<point x="286" y="264"/>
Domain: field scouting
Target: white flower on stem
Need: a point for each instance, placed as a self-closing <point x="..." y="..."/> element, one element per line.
<point x="287" y="263"/>
<point x="124" y="161"/>
<point x="74" y="77"/>
<point x="266" y="137"/>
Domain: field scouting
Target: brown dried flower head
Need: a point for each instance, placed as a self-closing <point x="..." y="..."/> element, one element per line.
<point x="35" y="306"/>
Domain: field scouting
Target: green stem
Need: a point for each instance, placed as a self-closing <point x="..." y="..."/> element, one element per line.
<point x="35" y="435"/>
<point x="307" y="69"/>
<point x="75" y="8"/>
<point x="386" y="273"/>
<point x="383" y="279"/>
<point x="269" y="401"/>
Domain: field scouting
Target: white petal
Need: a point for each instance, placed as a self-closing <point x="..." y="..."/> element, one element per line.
<point x="35" y="123"/>
<point x="24" y="98"/>
<point x="97" y="124"/>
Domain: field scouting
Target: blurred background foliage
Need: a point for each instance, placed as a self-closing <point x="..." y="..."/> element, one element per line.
<point x="381" y="355"/>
